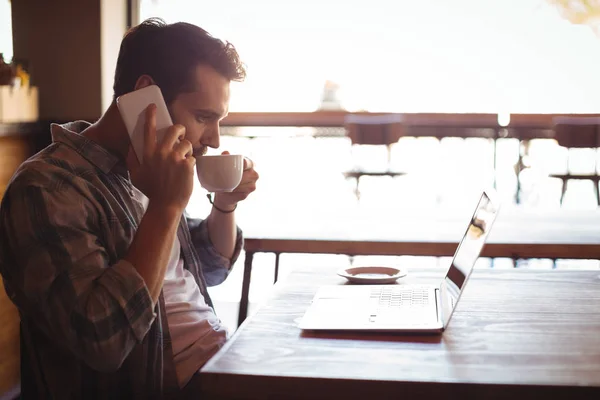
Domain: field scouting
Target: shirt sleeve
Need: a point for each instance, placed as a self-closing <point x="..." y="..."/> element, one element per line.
<point x="62" y="279"/>
<point x="215" y="266"/>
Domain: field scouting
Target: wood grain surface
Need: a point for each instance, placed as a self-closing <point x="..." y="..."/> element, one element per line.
<point x="515" y="333"/>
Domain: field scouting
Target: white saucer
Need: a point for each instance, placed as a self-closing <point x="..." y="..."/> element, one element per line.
<point x="372" y="274"/>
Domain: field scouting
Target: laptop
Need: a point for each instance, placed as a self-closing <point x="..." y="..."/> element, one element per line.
<point x="405" y="307"/>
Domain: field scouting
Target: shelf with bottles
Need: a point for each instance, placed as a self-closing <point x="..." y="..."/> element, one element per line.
<point x="18" y="99"/>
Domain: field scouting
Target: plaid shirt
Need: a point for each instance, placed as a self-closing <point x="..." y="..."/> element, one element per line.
<point x="88" y="327"/>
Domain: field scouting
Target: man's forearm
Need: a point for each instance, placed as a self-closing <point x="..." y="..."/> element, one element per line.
<point x="150" y="250"/>
<point x="222" y="232"/>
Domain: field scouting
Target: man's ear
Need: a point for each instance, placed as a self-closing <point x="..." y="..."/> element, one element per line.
<point x="143" y="81"/>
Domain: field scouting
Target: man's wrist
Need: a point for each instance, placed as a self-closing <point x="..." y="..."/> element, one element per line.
<point x="223" y="206"/>
<point x="166" y="213"/>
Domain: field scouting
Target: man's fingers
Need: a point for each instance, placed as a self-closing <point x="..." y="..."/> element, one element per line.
<point x="248" y="182"/>
<point x="191" y="160"/>
<point x="246" y="187"/>
<point x="174" y="134"/>
<point x="183" y="149"/>
<point x="250" y="175"/>
<point x="150" y="131"/>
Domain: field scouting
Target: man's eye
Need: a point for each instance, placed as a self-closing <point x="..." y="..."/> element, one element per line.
<point x="200" y="118"/>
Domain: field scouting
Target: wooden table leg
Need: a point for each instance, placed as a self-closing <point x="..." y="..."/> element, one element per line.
<point x="243" y="312"/>
<point x="276" y="268"/>
<point x="495" y="142"/>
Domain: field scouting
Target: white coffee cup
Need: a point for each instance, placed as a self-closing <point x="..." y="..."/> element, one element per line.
<point x="220" y="173"/>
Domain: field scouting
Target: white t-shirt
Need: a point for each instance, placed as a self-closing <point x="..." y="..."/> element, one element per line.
<point x="196" y="331"/>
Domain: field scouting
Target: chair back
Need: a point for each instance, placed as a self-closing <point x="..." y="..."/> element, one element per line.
<point x="577" y="132"/>
<point x="374" y="129"/>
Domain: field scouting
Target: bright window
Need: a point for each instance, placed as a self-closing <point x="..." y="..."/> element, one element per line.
<point x="6" y="45"/>
<point x="515" y="56"/>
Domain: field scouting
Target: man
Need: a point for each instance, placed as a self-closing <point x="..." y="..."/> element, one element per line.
<point x="110" y="307"/>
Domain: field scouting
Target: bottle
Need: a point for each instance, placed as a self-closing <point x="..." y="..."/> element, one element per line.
<point x="6" y="72"/>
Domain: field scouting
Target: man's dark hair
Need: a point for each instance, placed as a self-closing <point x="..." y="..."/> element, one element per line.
<point x="169" y="53"/>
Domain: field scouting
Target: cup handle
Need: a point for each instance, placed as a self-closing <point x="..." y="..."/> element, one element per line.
<point x="249" y="162"/>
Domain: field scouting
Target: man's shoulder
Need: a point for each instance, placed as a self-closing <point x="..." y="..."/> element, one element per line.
<point x="55" y="164"/>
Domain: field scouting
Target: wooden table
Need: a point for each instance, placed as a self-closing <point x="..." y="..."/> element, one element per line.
<point x="518" y="233"/>
<point x="515" y="334"/>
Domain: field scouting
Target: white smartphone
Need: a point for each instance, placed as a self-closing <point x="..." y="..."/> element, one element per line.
<point x="132" y="107"/>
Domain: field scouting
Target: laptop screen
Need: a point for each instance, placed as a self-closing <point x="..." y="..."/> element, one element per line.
<point x="467" y="254"/>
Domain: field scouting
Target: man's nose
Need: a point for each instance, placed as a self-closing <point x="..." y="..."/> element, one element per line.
<point x="213" y="137"/>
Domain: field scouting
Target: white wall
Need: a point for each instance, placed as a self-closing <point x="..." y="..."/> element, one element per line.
<point x="113" y="22"/>
<point x="72" y="48"/>
<point x="6" y="46"/>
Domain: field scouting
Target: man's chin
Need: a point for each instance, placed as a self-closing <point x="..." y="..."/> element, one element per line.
<point x="200" y="152"/>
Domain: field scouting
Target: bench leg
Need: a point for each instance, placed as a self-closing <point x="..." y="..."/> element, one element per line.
<point x="243" y="311"/>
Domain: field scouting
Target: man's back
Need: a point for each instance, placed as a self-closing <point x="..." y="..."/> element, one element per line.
<point x="68" y="217"/>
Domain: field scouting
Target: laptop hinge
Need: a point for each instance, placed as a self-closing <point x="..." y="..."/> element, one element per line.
<point x="438" y="306"/>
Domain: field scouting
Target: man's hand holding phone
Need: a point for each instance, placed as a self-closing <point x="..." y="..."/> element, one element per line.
<point x="166" y="175"/>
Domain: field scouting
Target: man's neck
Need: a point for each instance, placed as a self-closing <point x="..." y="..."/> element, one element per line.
<point x="110" y="132"/>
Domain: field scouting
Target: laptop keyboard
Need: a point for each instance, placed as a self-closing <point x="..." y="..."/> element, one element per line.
<point x="394" y="297"/>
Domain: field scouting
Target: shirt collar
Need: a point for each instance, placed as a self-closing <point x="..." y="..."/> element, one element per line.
<point x="70" y="135"/>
